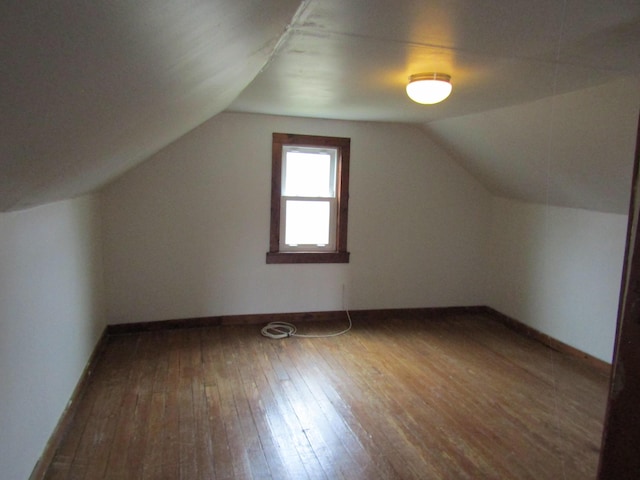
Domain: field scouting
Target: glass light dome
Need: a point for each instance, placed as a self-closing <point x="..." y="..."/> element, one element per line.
<point x="429" y="88"/>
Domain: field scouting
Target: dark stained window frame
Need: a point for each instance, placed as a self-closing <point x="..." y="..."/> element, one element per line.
<point x="343" y="146"/>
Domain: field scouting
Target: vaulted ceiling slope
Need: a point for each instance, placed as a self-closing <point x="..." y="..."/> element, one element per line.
<point x="571" y="150"/>
<point x="89" y="89"/>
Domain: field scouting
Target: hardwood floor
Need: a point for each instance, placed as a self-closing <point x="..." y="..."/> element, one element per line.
<point x="458" y="398"/>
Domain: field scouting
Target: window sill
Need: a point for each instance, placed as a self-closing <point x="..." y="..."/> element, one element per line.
<point x="307" y="257"/>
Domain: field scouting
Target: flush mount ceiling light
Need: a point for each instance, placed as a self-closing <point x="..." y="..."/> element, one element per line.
<point x="429" y="88"/>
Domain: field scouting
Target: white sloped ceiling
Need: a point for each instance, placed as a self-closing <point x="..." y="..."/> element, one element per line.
<point x="572" y="150"/>
<point x="90" y="89"/>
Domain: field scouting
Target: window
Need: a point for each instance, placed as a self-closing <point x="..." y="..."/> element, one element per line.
<point x="309" y="199"/>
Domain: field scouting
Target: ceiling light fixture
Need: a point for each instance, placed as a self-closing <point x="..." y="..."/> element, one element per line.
<point x="429" y="88"/>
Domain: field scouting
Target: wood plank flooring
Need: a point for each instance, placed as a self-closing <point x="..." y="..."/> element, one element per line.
<point x="455" y="398"/>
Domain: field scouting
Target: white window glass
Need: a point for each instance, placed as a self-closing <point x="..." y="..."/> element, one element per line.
<point x="308" y="172"/>
<point x="308" y="205"/>
<point x="307" y="222"/>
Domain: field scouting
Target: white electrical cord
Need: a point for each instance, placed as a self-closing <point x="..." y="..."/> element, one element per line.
<point x="279" y="330"/>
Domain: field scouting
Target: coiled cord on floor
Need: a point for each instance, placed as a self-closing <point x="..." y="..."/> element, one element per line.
<point x="279" y="330"/>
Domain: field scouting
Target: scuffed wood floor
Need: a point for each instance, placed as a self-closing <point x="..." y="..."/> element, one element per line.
<point x="457" y="398"/>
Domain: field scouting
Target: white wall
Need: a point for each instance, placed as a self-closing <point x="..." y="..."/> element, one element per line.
<point x="559" y="271"/>
<point x="187" y="231"/>
<point x="555" y="269"/>
<point x="50" y="320"/>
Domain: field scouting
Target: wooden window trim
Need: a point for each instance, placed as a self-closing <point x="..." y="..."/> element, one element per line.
<point x="343" y="145"/>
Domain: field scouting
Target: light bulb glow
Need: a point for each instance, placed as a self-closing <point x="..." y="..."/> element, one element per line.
<point x="429" y="88"/>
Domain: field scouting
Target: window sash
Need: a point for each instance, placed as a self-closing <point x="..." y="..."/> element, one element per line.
<point x="288" y="155"/>
<point x="309" y="247"/>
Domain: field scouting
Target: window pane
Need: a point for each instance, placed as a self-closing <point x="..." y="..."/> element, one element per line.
<point x="308" y="175"/>
<point x="307" y="222"/>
